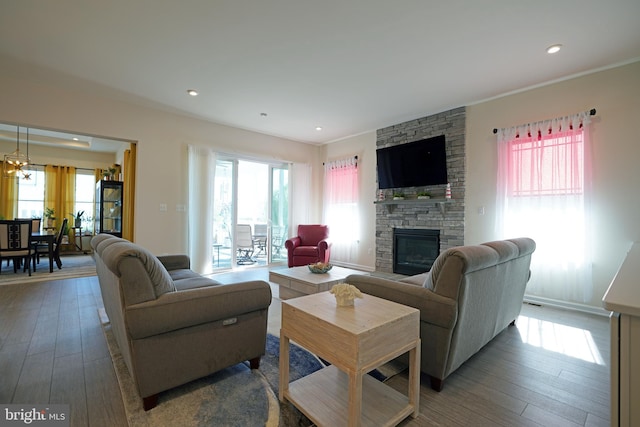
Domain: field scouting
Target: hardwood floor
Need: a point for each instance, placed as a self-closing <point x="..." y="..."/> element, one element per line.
<point x="551" y="369"/>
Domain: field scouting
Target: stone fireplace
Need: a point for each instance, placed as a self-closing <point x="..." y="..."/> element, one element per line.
<point x="444" y="216"/>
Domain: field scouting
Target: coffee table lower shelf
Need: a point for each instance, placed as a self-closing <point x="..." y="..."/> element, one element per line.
<point x="324" y="398"/>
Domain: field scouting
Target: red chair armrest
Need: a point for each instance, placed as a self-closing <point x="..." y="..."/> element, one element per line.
<point x="292" y="243"/>
<point x="324" y="244"/>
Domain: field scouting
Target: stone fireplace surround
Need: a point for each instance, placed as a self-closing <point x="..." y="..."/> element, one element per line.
<point x="424" y="214"/>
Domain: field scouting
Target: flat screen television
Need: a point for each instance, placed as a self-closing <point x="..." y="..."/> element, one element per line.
<point x="413" y="164"/>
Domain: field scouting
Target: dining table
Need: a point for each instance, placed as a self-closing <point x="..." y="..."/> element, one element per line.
<point x="48" y="238"/>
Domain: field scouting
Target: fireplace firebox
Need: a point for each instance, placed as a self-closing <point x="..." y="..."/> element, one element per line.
<point x="414" y="250"/>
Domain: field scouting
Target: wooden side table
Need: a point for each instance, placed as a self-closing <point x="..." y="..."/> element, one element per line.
<point x="355" y="340"/>
<point x="77" y="232"/>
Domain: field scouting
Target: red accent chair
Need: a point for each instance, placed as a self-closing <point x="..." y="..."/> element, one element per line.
<point x="311" y="245"/>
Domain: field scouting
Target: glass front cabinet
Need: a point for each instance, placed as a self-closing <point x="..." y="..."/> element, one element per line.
<point x="109" y="207"/>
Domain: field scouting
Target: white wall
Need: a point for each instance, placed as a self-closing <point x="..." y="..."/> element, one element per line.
<point x="162" y="138"/>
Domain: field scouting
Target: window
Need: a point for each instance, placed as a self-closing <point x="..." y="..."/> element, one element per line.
<point x="31" y="197"/>
<point x="31" y="194"/>
<point x="547" y="167"/>
<point x="341" y="207"/>
<point x="543" y="193"/>
<point x="85" y="194"/>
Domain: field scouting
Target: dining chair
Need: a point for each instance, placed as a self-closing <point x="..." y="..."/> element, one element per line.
<point x="15" y="243"/>
<point x="260" y="238"/>
<point x="35" y="227"/>
<point x="244" y="244"/>
<point x="43" y="249"/>
<point x="35" y="223"/>
<point x="278" y="237"/>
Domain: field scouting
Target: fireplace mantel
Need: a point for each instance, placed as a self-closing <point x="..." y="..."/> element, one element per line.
<point x="390" y="204"/>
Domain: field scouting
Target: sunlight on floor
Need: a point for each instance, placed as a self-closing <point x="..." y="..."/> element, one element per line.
<point x="563" y="339"/>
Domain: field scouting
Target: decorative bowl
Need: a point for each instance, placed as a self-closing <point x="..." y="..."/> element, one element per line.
<point x="319" y="267"/>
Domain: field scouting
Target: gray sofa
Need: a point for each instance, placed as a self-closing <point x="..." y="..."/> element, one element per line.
<point x="171" y="324"/>
<point x="470" y="295"/>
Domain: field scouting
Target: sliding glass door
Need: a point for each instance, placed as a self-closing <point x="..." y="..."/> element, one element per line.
<point x="251" y="213"/>
<point x="279" y="220"/>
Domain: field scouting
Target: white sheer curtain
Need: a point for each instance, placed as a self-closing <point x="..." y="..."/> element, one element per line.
<point x="544" y="177"/>
<point x="202" y="164"/>
<point x="341" y="207"/>
<point x="300" y="179"/>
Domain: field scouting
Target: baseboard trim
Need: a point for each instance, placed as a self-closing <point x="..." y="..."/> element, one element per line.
<point x="353" y="266"/>
<point x="566" y="305"/>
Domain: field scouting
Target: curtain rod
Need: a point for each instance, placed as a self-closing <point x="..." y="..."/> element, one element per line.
<point x="592" y="112"/>
<point x="77" y="168"/>
<point x="355" y="157"/>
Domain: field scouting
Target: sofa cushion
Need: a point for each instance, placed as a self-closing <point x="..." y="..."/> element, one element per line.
<point x="423" y="279"/>
<point x="306" y="251"/>
<point x="95" y="240"/>
<point x="116" y="252"/>
<point x="417" y="279"/>
<point x="101" y="242"/>
<point x="184" y="279"/>
<point x="428" y="281"/>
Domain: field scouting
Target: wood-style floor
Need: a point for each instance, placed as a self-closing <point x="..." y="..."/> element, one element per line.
<point x="551" y="369"/>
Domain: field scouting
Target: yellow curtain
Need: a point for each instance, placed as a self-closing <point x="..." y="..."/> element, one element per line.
<point x="60" y="190"/>
<point x="8" y="195"/>
<point x="129" y="172"/>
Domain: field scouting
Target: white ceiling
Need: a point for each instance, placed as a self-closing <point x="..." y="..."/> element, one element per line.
<point x="350" y="66"/>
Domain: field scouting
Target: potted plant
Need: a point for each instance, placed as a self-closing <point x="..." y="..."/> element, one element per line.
<point x="77" y="219"/>
<point x="398" y="196"/>
<point x="50" y="214"/>
<point x="424" y="195"/>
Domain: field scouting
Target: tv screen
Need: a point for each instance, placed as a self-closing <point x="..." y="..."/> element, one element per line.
<point x="413" y="164"/>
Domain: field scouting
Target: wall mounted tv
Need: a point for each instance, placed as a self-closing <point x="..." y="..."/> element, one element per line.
<point x="413" y="164"/>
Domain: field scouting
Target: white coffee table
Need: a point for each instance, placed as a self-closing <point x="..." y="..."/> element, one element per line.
<point x="297" y="281"/>
<point x="354" y="340"/>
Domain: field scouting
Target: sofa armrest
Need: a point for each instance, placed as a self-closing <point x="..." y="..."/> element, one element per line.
<point x="292" y="243"/>
<point x="434" y="309"/>
<point x="324" y="244"/>
<point x="192" y="307"/>
<point x="175" y="262"/>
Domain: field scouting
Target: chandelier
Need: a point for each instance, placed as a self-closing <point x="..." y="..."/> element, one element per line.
<point x="15" y="164"/>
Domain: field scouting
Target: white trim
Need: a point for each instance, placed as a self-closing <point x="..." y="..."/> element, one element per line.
<point x="566" y="305"/>
<point x="354" y="266"/>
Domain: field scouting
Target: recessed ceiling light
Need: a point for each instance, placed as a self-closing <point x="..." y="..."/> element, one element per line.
<point x="318" y="128"/>
<point x="75" y="139"/>
<point x="554" y="48"/>
<point x="192" y="92"/>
